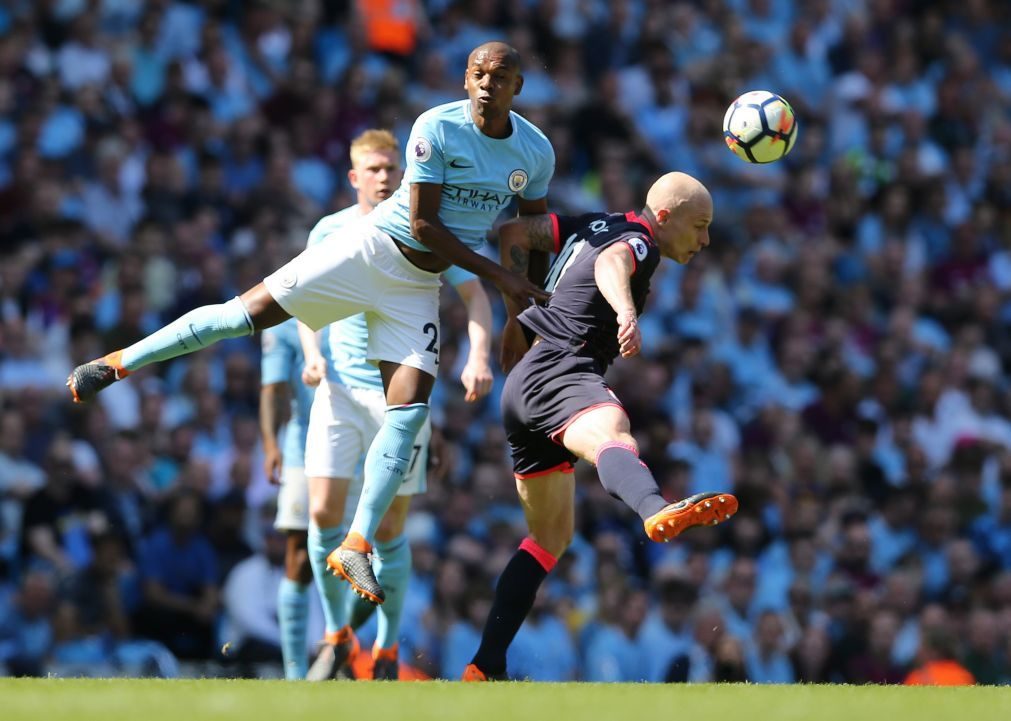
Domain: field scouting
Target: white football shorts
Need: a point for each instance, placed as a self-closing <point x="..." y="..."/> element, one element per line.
<point x="359" y="269"/>
<point x="342" y="423"/>
<point x="292" y="500"/>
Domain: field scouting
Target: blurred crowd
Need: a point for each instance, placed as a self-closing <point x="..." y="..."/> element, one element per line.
<point x="837" y="357"/>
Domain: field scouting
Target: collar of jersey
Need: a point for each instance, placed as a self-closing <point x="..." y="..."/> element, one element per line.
<point x="633" y="217"/>
<point x="477" y="130"/>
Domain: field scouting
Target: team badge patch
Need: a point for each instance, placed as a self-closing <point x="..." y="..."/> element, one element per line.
<point x="289" y="278"/>
<point x="422" y="149"/>
<point x="639" y="248"/>
<point x="518" y="180"/>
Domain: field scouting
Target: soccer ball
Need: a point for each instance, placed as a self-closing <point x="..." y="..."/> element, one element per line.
<point x="760" y="127"/>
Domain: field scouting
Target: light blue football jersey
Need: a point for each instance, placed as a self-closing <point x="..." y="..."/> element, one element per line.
<point x="282" y="362"/>
<point x="479" y="175"/>
<point x="345" y="342"/>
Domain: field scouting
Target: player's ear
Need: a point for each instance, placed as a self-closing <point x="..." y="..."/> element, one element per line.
<point x="353" y="178"/>
<point x="662" y="216"/>
<point x="519" y="84"/>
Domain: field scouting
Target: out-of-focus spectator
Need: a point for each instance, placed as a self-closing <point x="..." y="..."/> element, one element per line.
<point x="938" y="666"/>
<point x="250" y="605"/>
<point x="26" y="631"/>
<point x="180" y="581"/>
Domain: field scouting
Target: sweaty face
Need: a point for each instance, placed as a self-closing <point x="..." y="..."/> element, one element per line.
<point x="491" y="83"/>
<point x="687" y="230"/>
<point x="375" y="176"/>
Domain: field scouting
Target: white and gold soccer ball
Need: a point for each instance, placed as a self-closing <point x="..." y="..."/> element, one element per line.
<point x="760" y="127"/>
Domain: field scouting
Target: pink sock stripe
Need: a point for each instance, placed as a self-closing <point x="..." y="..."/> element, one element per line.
<point x="615" y="444"/>
<point x="540" y="555"/>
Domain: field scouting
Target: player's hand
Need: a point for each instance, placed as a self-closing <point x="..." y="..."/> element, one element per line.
<point x="519" y="289"/>
<point x="476" y="379"/>
<point x="272" y="464"/>
<point x="629" y="336"/>
<point x="514" y="345"/>
<point x="314" y="370"/>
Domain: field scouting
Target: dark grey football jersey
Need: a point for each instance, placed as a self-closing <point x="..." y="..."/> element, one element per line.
<point x="578" y="316"/>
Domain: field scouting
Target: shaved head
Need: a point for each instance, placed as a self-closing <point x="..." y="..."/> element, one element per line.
<point x="683" y="210"/>
<point x="506" y="54"/>
<point x="673" y="190"/>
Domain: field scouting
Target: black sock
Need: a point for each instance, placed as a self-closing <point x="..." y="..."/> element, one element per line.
<point x="628" y="479"/>
<point x="514" y="597"/>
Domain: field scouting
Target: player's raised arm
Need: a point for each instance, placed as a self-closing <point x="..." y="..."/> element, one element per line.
<point x="426" y="226"/>
<point x="613" y="272"/>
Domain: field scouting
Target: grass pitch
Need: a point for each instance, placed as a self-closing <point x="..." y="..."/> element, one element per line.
<point x="145" y="700"/>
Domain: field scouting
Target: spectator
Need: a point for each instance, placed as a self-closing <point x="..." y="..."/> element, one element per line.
<point x="938" y="666"/>
<point x="180" y="577"/>
<point x="250" y="607"/>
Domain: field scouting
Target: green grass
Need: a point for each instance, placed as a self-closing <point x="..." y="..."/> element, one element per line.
<point x="83" y="700"/>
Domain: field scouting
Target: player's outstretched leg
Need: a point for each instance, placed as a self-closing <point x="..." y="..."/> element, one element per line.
<point x="602" y="436"/>
<point x="201" y="327"/>
<point x="549" y="508"/>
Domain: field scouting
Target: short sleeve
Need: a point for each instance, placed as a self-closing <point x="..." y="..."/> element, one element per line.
<point x="317" y="233"/>
<point x="457" y="276"/>
<point x="537" y="188"/>
<point x="425" y="159"/>
<point x="277" y="358"/>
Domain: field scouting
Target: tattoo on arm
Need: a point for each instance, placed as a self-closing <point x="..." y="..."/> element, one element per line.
<point x="541" y="232"/>
<point x="520" y="260"/>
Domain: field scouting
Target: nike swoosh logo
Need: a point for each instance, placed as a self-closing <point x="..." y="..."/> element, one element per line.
<point x="454" y="164"/>
<point x="387" y="456"/>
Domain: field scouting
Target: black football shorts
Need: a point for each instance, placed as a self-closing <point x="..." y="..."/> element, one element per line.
<point x="547" y="390"/>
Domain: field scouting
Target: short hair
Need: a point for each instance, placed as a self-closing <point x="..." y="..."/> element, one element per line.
<point x="371" y="141"/>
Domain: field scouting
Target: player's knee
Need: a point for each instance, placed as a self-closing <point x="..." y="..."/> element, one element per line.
<point x="554" y="543"/>
<point x="623" y="440"/>
<point x="409" y="418"/>
<point x="391" y="527"/>
<point x="233" y="319"/>
<point x="554" y="536"/>
<point x="325" y="513"/>
<point x="297" y="567"/>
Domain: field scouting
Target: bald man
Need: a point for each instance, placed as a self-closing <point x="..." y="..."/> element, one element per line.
<point x="555" y="404"/>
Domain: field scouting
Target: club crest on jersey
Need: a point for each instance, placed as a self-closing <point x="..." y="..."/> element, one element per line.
<point x="639" y="248"/>
<point x="422" y="149"/>
<point x="518" y="180"/>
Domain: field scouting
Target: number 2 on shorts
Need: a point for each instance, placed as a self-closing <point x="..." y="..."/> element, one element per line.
<point x="433" y="345"/>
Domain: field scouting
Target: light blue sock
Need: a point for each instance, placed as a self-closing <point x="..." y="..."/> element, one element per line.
<point x="385" y="465"/>
<point x="332" y="591"/>
<point x="197" y="329"/>
<point x="293" y="616"/>
<point x="392" y="566"/>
